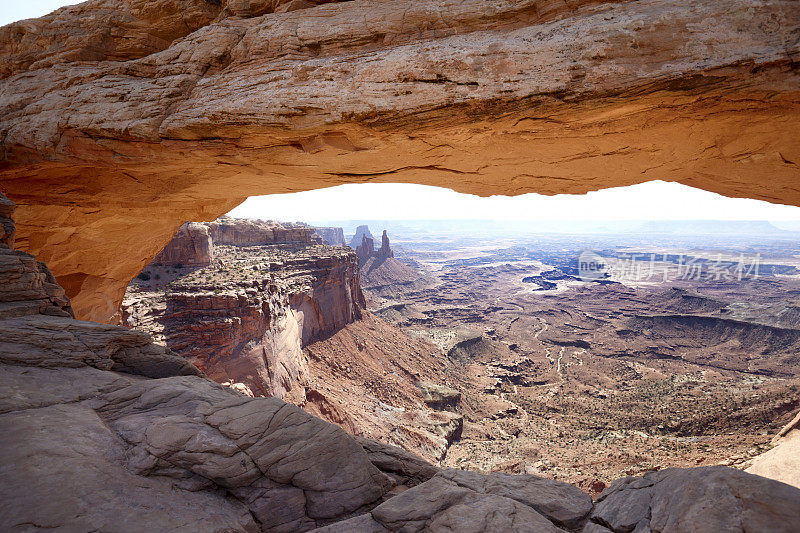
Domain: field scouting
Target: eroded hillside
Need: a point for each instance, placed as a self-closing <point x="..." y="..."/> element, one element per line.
<point x="269" y="310"/>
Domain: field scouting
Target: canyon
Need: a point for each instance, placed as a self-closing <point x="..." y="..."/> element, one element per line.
<point x="244" y="316"/>
<point x="586" y="381"/>
<point x="261" y="376"/>
<point x="453" y="355"/>
<point x="278" y="313"/>
<point x="131" y="427"/>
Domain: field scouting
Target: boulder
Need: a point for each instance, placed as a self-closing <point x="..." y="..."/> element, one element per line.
<point x="406" y="468"/>
<point x="782" y="462"/>
<point x="705" y="499"/>
<point x="439" y="396"/>
<point x="455" y="500"/>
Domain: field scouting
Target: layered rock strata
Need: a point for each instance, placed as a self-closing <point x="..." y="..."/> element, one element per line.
<point x="193" y="243"/>
<point x="245" y="232"/>
<point x="191" y="246"/>
<point x="27" y="285"/>
<point x="247" y="317"/>
<point x="7" y="229"/>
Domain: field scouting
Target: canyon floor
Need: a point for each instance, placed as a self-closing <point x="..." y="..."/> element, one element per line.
<point x="546" y="374"/>
<point x="587" y="382"/>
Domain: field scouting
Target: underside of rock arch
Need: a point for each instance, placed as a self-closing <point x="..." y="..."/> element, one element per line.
<point x="121" y="119"/>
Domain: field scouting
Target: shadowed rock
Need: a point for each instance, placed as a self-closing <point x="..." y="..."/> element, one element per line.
<point x="455" y="500"/>
<point x="706" y="499"/>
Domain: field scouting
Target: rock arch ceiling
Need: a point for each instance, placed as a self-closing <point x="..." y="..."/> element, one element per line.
<point x="120" y="119"/>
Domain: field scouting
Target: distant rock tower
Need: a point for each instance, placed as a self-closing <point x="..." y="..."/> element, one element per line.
<point x="385" y="251"/>
<point x="366" y="249"/>
<point x="357" y="239"/>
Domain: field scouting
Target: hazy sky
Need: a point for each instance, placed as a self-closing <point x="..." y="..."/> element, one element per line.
<point x="655" y="200"/>
<point x="14" y="10"/>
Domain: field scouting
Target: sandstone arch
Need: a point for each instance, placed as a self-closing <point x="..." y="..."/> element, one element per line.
<point x="116" y="131"/>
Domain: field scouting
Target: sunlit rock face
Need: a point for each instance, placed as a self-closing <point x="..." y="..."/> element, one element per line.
<point x="26" y="285"/>
<point x="245" y="316"/>
<point x="190" y="246"/>
<point x="243" y="232"/>
<point x="201" y="104"/>
<point x="252" y="331"/>
<point x="782" y="462"/>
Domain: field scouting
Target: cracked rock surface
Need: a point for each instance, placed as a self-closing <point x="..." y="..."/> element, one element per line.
<point x="455" y="500"/>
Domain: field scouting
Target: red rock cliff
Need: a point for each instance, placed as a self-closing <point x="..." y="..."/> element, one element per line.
<point x="246" y="317"/>
<point x="244" y="232"/>
<point x="191" y="246"/>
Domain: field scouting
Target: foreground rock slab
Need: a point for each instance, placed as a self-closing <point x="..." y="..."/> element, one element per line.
<point x="782" y="462"/>
<point x="456" y="500"/>
<point x="707" y="499"/>
<point x="170" y="445"/>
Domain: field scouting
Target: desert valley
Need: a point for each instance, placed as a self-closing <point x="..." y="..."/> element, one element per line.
<point x="479" y="345"/>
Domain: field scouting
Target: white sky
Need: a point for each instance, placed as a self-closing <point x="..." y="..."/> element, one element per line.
<point x="14" y="10"/>
<point x="654" y="200"/>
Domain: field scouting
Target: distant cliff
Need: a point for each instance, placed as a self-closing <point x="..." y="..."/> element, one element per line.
<point x="331" y="236"/>
<point x="245" y="232"/>
<point x="245" y="317"/>
<point x="190" y="246"/>
<point x="193" y="243"/>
